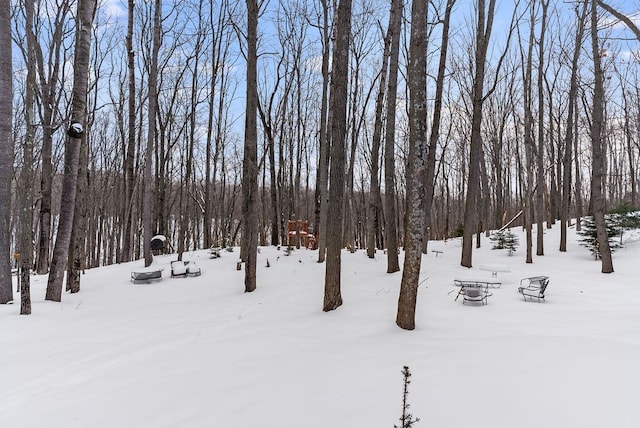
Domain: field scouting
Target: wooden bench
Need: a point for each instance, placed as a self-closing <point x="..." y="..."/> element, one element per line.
<point x="146" y="276"/>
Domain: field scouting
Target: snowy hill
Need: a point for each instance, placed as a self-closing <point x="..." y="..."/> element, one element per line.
<point x="199" y="352"/>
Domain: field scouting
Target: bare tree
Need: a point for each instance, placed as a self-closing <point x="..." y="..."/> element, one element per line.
<point x="484" y="25"/>
<point x="374" y="187"/>
<point x="391" y="230"/>
<point x="597" y="167"/>
<point x="6" y="152"/>
<point x="324" y="141"/>
<point x="338" y="104"/>
<point x="250" y="161"/>
<point x="436" y="121"/>
<point x="147" y="214"/>
<point x="129" y="157"/>
<point x="417" y="76"/>
<point x="26" y="199"/>
<point x="52" y="91"/>
<point x="540" y="187"/>
<point x="569" y="136"/>
<point x="85" y="14"/>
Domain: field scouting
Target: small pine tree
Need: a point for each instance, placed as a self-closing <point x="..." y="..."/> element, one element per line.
<point x="406" y="418"/>
<point x="504" y="239"/>
<point x="590" y="237"/>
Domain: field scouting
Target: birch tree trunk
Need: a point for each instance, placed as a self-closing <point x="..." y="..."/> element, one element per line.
<point x="85" y="14"/>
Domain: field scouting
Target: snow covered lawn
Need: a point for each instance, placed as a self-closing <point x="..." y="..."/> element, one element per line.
<point x="199" y="352"/>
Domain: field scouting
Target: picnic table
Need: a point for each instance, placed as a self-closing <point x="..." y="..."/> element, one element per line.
<point x="475" y="284"/>
<point x="494" y="268"/>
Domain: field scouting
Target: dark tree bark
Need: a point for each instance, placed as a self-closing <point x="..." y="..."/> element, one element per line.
<point x="51" y="90"/>
<point x="597" y="159"/>
<point x="85" y="14"/>
<point x="324" y="143"/>
<point x="26" y="188"/>
<point x="417" y="76"/>
<point x="6" y="152"/>
<point x="483" y="34"/>
<point x="622" y="17"/>
<point x="338" y="106"/>
<point x="390" y="219"/>
<point x="147" y="208"/>
<point x="540" y="189"/>
<point x="250" y="162"/>
<point x="129" y="159"/>
<point x="79" y="230"/>
<point x="435" y="127"/>
<point x="569" y="136"/>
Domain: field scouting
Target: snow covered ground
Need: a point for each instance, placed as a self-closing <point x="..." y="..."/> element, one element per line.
<point x="199" y="352"/>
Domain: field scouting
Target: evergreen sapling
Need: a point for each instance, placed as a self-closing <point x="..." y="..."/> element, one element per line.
<point x="406" y="418"/>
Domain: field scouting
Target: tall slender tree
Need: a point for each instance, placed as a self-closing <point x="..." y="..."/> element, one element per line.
<point x="152" y="111"/>
<point x="129" y="157"/>
<point x="324" y="140"/>
<point x="391" y="230"/>
<point x="6" y="151"/>
<point x="26" y="202"/>
<point x="597" y="155"/>
<point x="416" y="165"/>
<point x="484" y="26"/>
<point x="569" y="136"/>
<point x="85" y="14"/>
<point x="338" y="106"/>
<point x="250" y="161"/>
<point x="434" y="135"/>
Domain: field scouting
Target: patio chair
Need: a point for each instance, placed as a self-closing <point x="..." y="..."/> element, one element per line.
<point x="475" y="295"/>
<point x="178" y="268"/>
<point x="193" y="269"/>
<point x="535" y="288"/>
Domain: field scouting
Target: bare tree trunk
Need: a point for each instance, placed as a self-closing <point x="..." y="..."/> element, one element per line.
<point x="6" y="153"/>
<point x="26" y="188"/>
<point x="78" y="232"/>
<point x="483" y="34"/>
<point x="597" y="199"/>
<point x="50" y="76"/>
<point x="540" y="155"/>
<point x="391" y="216"/>
<point x="569" y="137"/>
<point x="322" y="201"/>
<point x="435" y="127"/>
<point x="250" y="162"/>
<point x="85" y="14"/>
<point x="338" y="105"/>
<point x="417" y="76"/>
<point x="528" y="205"/>
<point x="129" y="178"/>
<point x="147" y="208"/>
